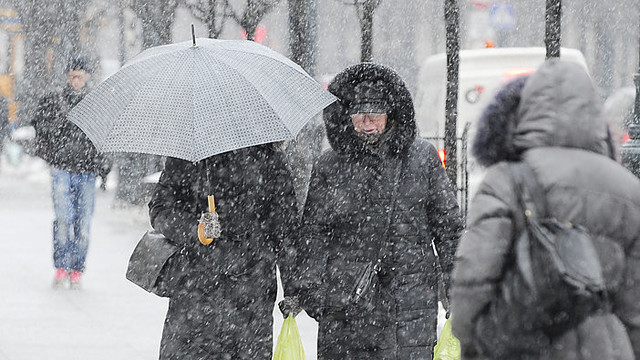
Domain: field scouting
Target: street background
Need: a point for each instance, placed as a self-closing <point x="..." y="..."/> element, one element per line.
<point x="112" y="318"/>
<point x="109" y="318"/>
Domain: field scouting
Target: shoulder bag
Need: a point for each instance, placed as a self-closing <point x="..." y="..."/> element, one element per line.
<point x="362" y="296"/>
<point x="148" y="259"/>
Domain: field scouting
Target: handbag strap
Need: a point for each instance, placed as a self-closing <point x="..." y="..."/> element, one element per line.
<point x="386" y="246"/>
<point x="440" y="270"/>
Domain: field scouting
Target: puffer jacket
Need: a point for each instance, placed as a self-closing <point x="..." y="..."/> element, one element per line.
<point x="60" y="142"/>
<point x="553" y="122"/>
<point x="352" y="217"/>
<point x="222" y="294"/>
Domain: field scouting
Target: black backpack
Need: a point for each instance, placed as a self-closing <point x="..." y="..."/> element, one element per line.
<point x="552" y="282"/>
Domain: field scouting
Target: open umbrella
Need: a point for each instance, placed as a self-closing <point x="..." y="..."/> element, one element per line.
<point x="195" y="99"/>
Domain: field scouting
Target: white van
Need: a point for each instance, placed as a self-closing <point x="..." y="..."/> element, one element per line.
<point x="482" y="73"/>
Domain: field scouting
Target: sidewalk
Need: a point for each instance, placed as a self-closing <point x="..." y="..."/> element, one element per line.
<point x="110" y="318"/>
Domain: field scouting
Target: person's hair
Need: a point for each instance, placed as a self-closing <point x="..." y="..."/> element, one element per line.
<point x="78" y="63"/>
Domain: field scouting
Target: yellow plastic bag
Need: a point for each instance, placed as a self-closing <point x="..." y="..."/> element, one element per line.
<point x="448" y="346"/>
<point x="289" y="346"/>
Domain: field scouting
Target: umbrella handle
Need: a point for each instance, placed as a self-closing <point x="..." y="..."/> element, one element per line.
<point x="212" y="203"/>
<point x="212" y="208"/>
<point x="204" y="240"/>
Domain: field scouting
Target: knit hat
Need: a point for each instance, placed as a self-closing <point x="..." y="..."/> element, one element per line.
<point x="370" y="97"/>
<point x="78" y="63"/>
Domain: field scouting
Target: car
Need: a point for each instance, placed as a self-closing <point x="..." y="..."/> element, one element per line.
<point x="618" y="109"/>
<point x="482" y="73"/>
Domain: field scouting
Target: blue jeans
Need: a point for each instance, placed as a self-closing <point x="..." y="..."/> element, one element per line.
<point x="73" y="200"/>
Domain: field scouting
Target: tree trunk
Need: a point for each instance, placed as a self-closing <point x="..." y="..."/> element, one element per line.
<point x="250" y="28"/>
<point x="216" y="18"/>
<point x="451" y="16"/>
<point x="157" y="17"/>
<point x="302" y="33"/>
<point x="306" y="147"/>
<point x="366" y="30"/>
<point x="553" y="22"/>
<point x="49" y="43"/>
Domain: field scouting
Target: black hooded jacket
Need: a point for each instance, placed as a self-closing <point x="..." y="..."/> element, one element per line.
<point x="222" y="294"/>
<point x="60" y="142"/>
<point x="389" y="201"/>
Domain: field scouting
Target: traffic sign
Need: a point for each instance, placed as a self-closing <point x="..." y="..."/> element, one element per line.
<point x="502" y="16"/>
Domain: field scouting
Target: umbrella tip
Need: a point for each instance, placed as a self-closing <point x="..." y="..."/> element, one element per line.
<point x="193" y="35"/>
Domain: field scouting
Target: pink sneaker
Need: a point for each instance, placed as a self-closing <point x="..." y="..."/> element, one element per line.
<point x="60" y="278"/>
<point x="75" y="277"/>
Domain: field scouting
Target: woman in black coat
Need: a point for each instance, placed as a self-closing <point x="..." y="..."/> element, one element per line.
<point x="222" y="294"/>
<point x="373" y="197"/>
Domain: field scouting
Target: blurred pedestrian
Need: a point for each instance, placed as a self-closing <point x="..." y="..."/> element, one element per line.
<point x="222" y="294"/>
<point x="378" y="200"/>
<point x="552" y="121"/>
<point x="74" y="164"/>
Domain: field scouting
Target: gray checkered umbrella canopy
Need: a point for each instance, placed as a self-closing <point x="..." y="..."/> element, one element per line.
<point x="192" y="102"/>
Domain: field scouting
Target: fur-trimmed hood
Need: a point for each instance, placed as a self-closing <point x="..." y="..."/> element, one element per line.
<point x="401" y="123"/>
<point x="556" y="106"/>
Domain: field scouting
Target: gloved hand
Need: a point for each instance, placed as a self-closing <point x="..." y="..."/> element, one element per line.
<point x="290" y="306"/>
<point x="211" y="224"/>
<point x="104" y="167"/>
<point x="103" y="170"/>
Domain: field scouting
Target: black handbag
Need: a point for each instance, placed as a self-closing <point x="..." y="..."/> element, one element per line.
<point x="148" y="260"/>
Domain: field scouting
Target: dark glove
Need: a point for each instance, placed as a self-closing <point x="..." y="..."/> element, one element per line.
<point x="103" y="170"/>
<point x="290" y="306"/>
<point x="103" y="183"/>
<point x="212" y="229"/>
<point x="105" y="167"/>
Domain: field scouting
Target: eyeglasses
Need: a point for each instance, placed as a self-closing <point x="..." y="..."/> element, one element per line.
<point x="359" y="117"/>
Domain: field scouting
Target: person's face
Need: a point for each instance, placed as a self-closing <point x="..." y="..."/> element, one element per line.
<point x="369" y="123"/>
<point x="77" y="79"/>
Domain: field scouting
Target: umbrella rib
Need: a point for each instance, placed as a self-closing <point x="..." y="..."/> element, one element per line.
<point x="193" y="116"/>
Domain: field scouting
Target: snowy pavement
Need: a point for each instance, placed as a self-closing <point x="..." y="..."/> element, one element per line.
<point x="109" y="318"/>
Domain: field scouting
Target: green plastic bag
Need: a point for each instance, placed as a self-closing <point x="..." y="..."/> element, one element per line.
<point x="289" y="346"/>
<point x="448" y="346"/>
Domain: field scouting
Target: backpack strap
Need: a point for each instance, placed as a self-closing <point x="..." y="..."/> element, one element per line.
<point x="526" y="183"/>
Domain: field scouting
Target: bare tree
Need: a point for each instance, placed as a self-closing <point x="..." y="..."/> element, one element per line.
<point x="251" y="14"/>
<point x="211" y="12"/>
<point x="52" y="35"/>
<point x="157" y="18"/>
<point x="552" y="34"/>
<point x="452" y="26"/>
<point x="365" y="10"/>
<point x="302" y="33"/>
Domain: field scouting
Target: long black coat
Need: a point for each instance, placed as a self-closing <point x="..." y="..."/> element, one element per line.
<point x="60" y="142"/>
<point x="554" y="124"/>
<point x="351" y="217"/>
<point x="222" y="295"/>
